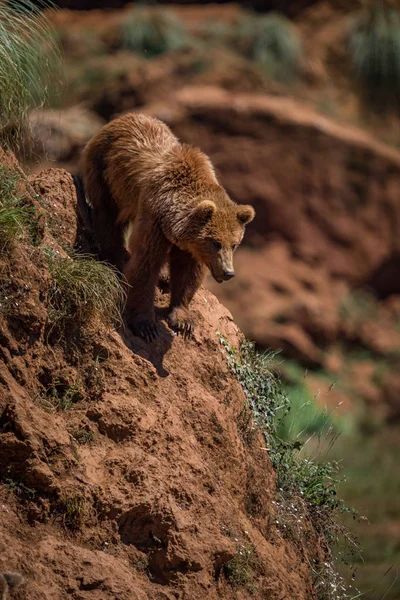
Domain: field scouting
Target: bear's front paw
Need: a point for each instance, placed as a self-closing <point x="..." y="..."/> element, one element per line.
<point x="179" y="320"/>
<point x="146" y="329"/>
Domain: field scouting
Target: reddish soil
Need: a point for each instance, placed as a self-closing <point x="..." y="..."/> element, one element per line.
<point x="144" y="488"/>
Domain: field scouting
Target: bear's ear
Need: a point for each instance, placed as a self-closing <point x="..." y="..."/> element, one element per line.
<point x="245" y="214"/>
<point x="203" y="212"/>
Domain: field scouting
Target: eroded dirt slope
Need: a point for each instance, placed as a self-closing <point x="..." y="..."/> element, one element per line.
<point x="143" y="488"/>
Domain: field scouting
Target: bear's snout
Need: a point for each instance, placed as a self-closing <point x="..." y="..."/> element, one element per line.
<point x="221" y="265"/>
<point x="228" y="275"/>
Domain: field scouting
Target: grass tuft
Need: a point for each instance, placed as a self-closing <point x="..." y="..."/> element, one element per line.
<point x="273" y="43"/>
<point x="152" y="33"/>
<point x="30" y="62"/>
<point x="374" y="47"/>
<point x="74" y="511"/>
<point x="15" y="215"/>
<point x="83" y="436"/>
<point x="240" y="570"/>
<point x="84" y="290"/>
<point x="60" y="396"/>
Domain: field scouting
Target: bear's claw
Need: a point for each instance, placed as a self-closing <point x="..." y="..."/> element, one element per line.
<point x="181" y="323"/>
<point x="148" y="330"/>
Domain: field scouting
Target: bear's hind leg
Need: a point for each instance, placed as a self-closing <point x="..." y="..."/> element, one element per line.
<point x="109" y="234"/>
<point x="110" y="237"/>
<point x="187" y="275"/>
<point x="148" y="248"/>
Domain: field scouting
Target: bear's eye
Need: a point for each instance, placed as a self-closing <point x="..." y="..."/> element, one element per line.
<point x="217" y="245"/>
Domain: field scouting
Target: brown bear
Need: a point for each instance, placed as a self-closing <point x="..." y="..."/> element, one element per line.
<point x="138" y="175"/>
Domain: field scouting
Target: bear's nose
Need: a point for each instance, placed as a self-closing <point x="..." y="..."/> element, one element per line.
<point x="228" y="275"/>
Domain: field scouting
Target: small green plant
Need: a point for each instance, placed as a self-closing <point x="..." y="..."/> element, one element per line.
<point x="374" y="48"/>
<point x="17" y="487"/>
<point x="273" y="43"/>
<point x="84" y="290"/>
<point x="264" y="395"/>
<point x="15" y="214"/>
<point x="83" y="436"/>
<point x="60" y="396"/>
<point x="74" y="510"/>
<point x="305" y="486"/>
<point x="151" y="33"/>
<point x="29" y="62"/>
<point x="240" y="570"/>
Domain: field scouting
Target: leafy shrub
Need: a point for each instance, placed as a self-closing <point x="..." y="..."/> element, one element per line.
<point x="374" y="47"/>
<point x="29" y="62"/>
<point x="270" y="406"/>
<point x="264" y="396"/>
<point x="273" y="43"/>
<point x="152" y="33"/>
<point x="305" y="486"/>
<point x="15" y="214"/>
<point x="84" y="289"/>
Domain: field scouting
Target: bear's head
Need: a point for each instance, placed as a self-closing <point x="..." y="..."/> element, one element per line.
<point x="217" y="228"/>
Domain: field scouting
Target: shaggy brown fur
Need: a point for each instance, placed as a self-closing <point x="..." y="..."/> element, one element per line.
<point x="137" y="173"/>
<point x="9" y="581"/>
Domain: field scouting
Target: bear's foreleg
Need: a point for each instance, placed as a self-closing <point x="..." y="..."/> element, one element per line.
<point x="148" y="250"/>
<point x="187" y="275"/>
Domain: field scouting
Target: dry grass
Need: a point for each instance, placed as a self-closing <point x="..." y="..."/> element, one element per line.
<point x="240" y="571"/>
<point x="15" y="214"/>
<point x="74" y="509"/>
<point x="61" y="397"/>
<point x="84" y="290"/>
<point x="30" y="62"/>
